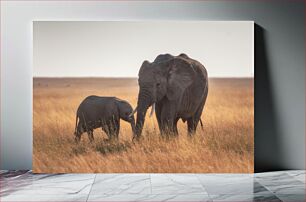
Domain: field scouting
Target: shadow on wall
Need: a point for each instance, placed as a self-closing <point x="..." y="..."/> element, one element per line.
<point x="267" y="143"/>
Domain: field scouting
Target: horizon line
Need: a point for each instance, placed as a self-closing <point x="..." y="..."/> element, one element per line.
<point x="119" y="77"/>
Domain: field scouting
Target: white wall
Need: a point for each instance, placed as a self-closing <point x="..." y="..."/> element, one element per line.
<point x="282" y="23"/>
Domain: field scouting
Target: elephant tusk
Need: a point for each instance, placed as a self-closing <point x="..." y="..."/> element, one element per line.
<point x="152" y="109"/>
<point x="133" y="112"/>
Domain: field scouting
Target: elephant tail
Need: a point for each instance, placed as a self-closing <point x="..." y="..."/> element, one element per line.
<point x="201" y="124"/>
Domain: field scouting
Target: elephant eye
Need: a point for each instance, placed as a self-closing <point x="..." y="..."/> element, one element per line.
<point x="158" y="84"/>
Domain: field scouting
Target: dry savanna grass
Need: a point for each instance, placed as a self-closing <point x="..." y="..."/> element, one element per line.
<point x="226" y="144"/>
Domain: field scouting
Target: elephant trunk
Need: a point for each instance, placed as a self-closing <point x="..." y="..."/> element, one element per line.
<point x="132" y="122"/>
<point x="140" y="121"/>
<point x="144" y="102"/>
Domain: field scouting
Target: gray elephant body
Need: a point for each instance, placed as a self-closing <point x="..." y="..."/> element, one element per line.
<point x="105" y="112"/>
<point x="178" y="85"/>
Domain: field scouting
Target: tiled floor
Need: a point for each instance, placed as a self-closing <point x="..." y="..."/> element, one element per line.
<point x="272" y="186"/>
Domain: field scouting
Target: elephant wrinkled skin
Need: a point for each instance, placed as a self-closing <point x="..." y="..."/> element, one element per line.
<point x="104" y="112"/>
<point x="177" y="86"/>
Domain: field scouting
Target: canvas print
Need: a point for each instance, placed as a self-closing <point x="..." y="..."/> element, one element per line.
<point x="143" y="97"/>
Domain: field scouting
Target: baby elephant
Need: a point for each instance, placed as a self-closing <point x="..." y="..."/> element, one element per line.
<point x="104" y="112"/>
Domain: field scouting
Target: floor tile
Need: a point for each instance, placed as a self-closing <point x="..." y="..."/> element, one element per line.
<point x="183" y="198"/>
<point x="54" y="197"/>
<point x="13" y="173"/>
<point x="291" y="197"/>
<point x="15" y="180"/>
<point x="287" y="186"/>
<point x="117" y="184"/>
<point x="176" y="184"/>
<point x="298" y="175"/>
<point x="245" y="198"/>
<point x="218" y="184"/>
<point x="260" y="189"/>
<point x="115" y="198"/>
<point x="275" y="175"/>
<point x="48" y="184"/>
<point x="282" y="183"/>
<point x="151" y="197"/>
<point x="3" y="171"/>
<point x="271" y="173"/>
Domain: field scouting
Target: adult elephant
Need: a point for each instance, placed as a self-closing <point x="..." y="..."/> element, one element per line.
<point x="177" y="87"/>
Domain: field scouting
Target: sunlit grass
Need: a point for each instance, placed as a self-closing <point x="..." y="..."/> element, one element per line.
<point x="225" y="145"/>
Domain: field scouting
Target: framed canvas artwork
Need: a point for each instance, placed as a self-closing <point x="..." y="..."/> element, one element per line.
<point x="143" y="96"/>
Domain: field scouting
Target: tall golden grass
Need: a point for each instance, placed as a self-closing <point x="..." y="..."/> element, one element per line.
<point x="225" y="145"/>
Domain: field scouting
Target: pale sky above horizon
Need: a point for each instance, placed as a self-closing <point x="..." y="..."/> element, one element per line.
<point x="118" y="48"/>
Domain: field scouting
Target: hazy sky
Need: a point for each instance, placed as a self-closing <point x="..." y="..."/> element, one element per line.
<point x="117" y="49"/>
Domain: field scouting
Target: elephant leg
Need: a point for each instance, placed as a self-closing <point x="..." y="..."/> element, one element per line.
<point x="90" y="135"/>
<point x="105" y="130"/>
<point x="193" y="121"/>
<point x="108" y="130"/>
<point x="175" y="131"/>
<point x="113" y="129"/>
<point x="77" y="138"/>
<point x="169" y="127"/>
<point x="78" y="133"/>
<point x="168" y="116"/>
<point x="116" y="128"/>
<point x="109" y="136"/>
<point x="166" y="125"/>
<point x="192" y="125"/>
<point x="199" y="111"/>
<point x="158" y="109"/>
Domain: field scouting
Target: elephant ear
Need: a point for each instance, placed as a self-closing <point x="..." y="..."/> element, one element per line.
<point x="144" y="65"/>
<point x="180" y="76"/>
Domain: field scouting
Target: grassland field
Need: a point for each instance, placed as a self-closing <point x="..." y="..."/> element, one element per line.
<point x="226" y="144"/>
